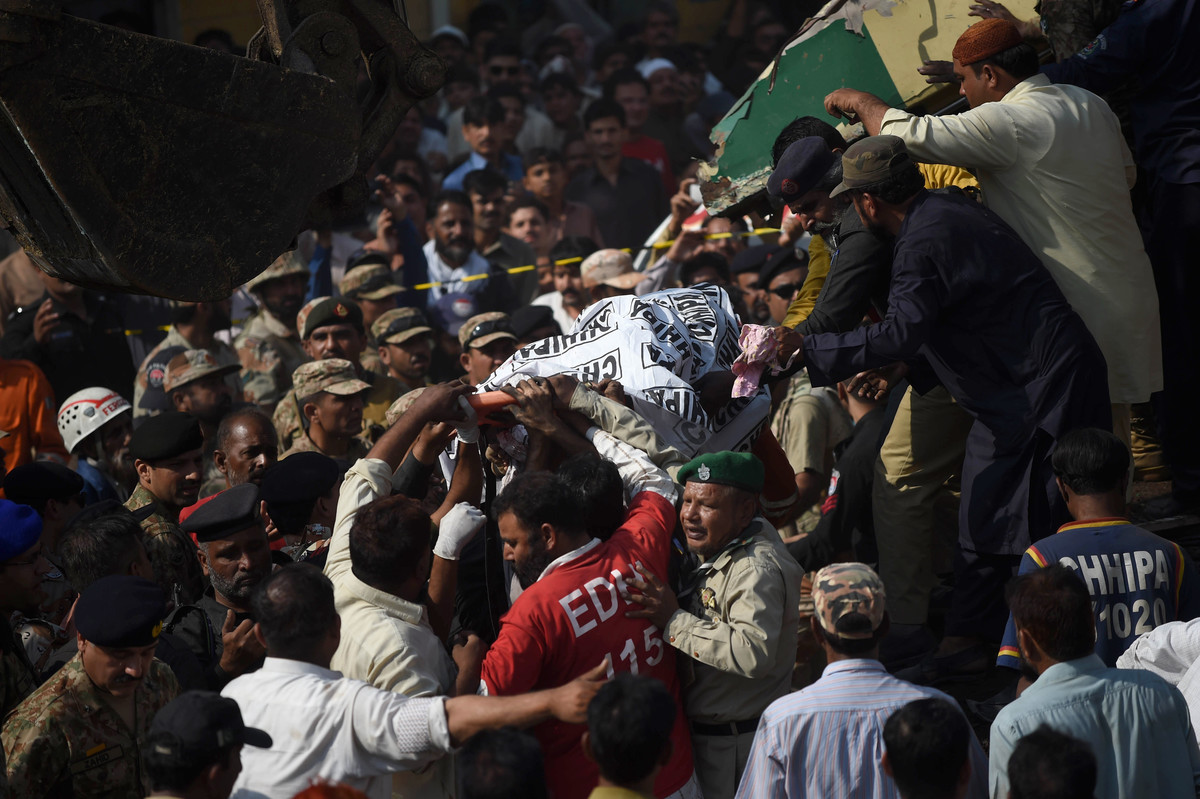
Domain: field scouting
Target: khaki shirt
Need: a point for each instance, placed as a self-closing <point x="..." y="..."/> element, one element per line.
<point x="222" y="353"/>
<point x="737" y="629"/>
<point x="65" y="740"/>
<point x="269" y="352"/>
<point x="305" y="444"/>
<point x="386" y="640"/>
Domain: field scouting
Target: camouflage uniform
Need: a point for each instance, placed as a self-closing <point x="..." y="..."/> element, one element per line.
<point x="385" y="390"/>
<point x="305" y="444"/>
<point x="269" y="353"/>
<point x="221" y="352"/>
<point x="65" y="740"/>
<point x="172" y="553"/>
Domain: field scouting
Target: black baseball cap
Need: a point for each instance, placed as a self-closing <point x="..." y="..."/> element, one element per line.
<point x="197" y="726"/>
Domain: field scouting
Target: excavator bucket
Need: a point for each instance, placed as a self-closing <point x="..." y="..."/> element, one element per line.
<point x="142" y="164"/>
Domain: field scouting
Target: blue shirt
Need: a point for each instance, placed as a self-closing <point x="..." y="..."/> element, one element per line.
<point x="1137" y="580"/>
<point x="1154" y="42"/>
<point x="826" y="740"/>
<point x="512" y="170"/>
<point x="1136" y="724"/>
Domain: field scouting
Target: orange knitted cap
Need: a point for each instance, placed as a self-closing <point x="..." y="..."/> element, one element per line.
<point x="985" y="39"/>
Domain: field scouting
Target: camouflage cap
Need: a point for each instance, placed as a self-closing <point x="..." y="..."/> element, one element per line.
<point x="333" y="375"/>
<point x="482" y="329"/>
<point x="610" y="267"/>
<point x="287" y="264"/>
<point x="393" y="327"/>
<point x="191" y="365"/>
<point x="849" y="600"/>
<point x="401" y="405"/>
<point x="870" y="161"/>
<point x="369" y="282"/>
<point x="322" y="311"/>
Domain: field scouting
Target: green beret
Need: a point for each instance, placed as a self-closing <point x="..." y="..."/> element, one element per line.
<point x="738" y="469"/>
<point x="121" y="612"/>
<point x="226" y="514"/>
<point x="167" y="435"/>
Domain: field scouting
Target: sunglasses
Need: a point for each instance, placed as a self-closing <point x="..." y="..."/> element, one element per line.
<point x="492" y="326"/>
<point x="499" y="70"/>
<point x="786" y="291"/>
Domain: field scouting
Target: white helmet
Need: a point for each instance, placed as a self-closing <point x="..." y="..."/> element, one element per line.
<point x="86" y="411"/>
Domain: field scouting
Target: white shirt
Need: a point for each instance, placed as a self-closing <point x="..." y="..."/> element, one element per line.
<point x="326" y="726"/>
<point x="1172" y="651"/>
<point x="386" y="641"/>
<point x="452" y="276"/>
<point x="1053" y="164"/>
<point x="554" y="301"/>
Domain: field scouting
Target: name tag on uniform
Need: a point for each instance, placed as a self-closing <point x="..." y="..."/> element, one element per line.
<point x="95" y="758"/>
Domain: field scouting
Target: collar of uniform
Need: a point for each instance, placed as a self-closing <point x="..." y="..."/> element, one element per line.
<point x="1067" y="670"/>
<point x="723" y="558"/>
<point x="287" y="666"/>
<point x="391" y="604"/>
<point x="570" y="556"/>
<point x="89" y="696"/>
<point x="1107" y="521"/>
<point x="276" y="327"/>
<point x="141" y="497"/>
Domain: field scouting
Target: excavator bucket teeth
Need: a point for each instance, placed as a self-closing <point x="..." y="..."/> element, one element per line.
<point x="142" y="164"/>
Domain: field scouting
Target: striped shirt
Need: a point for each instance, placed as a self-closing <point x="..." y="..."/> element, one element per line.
<point x="1137" y="581"/>
<point x="827" y="740"/>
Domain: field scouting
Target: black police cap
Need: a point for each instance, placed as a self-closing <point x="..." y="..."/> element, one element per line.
<point x="787" y="258"/>
<point x="197" y="727"/>
<point x="529" y="318"/>
<point x="752" y="259"/>
<point x="121" y="612"/>
<point x="166" y="436"/>
<point x="34" y="483"/>
<point x="800" y="168"/>
<point x="226" y="514"/>
<point x="300" y="479"/>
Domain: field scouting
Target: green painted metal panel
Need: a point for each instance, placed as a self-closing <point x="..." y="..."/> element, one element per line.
<point x="832" y="59"/>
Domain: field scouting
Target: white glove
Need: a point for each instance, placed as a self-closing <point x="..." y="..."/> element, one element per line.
<point x="457" y="528"/>
<point x="468" y="431"/>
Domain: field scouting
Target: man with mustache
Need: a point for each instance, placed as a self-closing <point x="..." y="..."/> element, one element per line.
<point x="96" y="428"/>
<point x="195" y="384"/>
<point x="194" y="326"/>
<point x="487" y="191"/>
<point x="574" y="610"/>
<point x="332" y="327"/>
<point x="269" y="345"/>
<point x="80" y="734"/>
<point x="737" y="618"/>
<point x="234" y="553"/>
<point x="452" y="257"/>
<point x="246" y="446"/>
<point x="167" y="455"/>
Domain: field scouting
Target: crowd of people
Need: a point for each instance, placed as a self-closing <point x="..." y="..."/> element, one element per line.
<point x="540" y="481"/>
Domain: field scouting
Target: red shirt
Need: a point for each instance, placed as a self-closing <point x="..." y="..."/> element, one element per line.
<point x="653" y="153"/>
<point x="573" y="618"/>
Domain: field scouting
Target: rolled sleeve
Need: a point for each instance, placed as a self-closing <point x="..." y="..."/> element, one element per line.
<point x="366" y="481"/>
